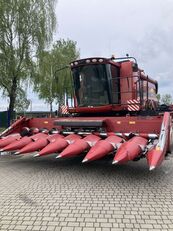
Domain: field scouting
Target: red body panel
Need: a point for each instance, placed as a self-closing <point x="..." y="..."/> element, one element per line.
<point x="58" y="144"/>
<point x="150" y="127"/>
<point x="79" y="146"/>
<point x="15" y="127"/>
<point x="130" y="149"/>
<point x="125" y="124"/>
<point x="126" y="84"/>
<point x="22" y="142"/>
<point x="7" y="140"/>
<point x="103" y="148"/>
<point x="156" y="155"/>
<point x="74" y="149"/>
<point x="38" y="142"/>
<point x="111" y="124"/>
<point x="35" y="144"/>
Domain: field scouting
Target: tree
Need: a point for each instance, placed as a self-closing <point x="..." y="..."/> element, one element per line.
<point x="26" y="27"/>
<point x="22" y="103"/>
<point x="158" y="96"/>
<point x="43" y="83"/>
<point x="166" y="99"/>
<point x="53" y="85"/>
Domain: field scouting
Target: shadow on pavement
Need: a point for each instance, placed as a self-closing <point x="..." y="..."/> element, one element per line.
<point x="101" y="168"/>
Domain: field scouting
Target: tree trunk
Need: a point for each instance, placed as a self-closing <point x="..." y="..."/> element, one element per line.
<point x="62" y="101"/>
<point x="12" y="97"/>
<point x="51" y="109"/>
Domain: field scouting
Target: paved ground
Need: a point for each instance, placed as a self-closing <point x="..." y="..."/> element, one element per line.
<point x="49" y="194"/>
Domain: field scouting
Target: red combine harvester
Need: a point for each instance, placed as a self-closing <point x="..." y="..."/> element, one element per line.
<point x="115" y="113"/>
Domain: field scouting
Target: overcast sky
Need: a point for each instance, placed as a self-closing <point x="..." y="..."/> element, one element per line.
<point x="141" y="28"/>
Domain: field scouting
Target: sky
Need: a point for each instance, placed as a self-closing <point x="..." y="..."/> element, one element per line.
<point x="143" y="29"/>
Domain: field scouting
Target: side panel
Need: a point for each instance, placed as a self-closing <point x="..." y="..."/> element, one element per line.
<point x="156" y="155"/>
<point x="42" y="123"/>
<point x="150" y="124"/>
<point x="126" y="82"/>
<point x="131" y="124"/>
<point x="15" y="127"/>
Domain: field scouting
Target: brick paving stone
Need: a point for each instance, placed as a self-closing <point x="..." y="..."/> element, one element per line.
<point x="67" y="229"/>
<point x="106" y="229"/>
<point x="77" y="228"/>
<point x="88" y="229"/>
<point x="64" y="195"/>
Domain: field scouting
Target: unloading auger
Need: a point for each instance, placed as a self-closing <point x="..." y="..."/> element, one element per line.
<point x="115" y="113"/>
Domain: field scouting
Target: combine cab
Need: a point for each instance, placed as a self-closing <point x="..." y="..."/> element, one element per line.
<point x="115" y="113"/>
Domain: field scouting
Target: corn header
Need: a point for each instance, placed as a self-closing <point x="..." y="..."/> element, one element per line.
<point x="115" y="113"/>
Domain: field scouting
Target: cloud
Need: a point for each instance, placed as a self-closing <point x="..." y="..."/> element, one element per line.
<point x="142" y="28"/>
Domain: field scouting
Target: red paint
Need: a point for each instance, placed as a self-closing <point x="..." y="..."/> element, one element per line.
<point x="53" y="137"/>
<point x="130" y="149"/>
<point x="9" y="139"/>
<point x="103" y="148"/>
<point x="156" y="155"/>
<point x="58" y="144"/>
<point x="34" y="146"/>
<point x="111" y="124"/>
<point x="38" y="142"/>
<point x="79" y="146"/>
<point x="18" y="144"/>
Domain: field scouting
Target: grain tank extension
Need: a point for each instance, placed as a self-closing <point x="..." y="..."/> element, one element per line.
<point x="115" y="112"/>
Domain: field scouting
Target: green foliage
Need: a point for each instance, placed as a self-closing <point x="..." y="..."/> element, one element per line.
<point x="158" y="97"/>
<point x="50" y="83"/>
<point x="43" y="82"/>
<point x="166" y="99"/>
<point x="22" y="103"/>
<point x="26" y="27"/>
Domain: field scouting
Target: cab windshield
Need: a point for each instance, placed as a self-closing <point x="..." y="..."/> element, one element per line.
<point x="91" y="85"/>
